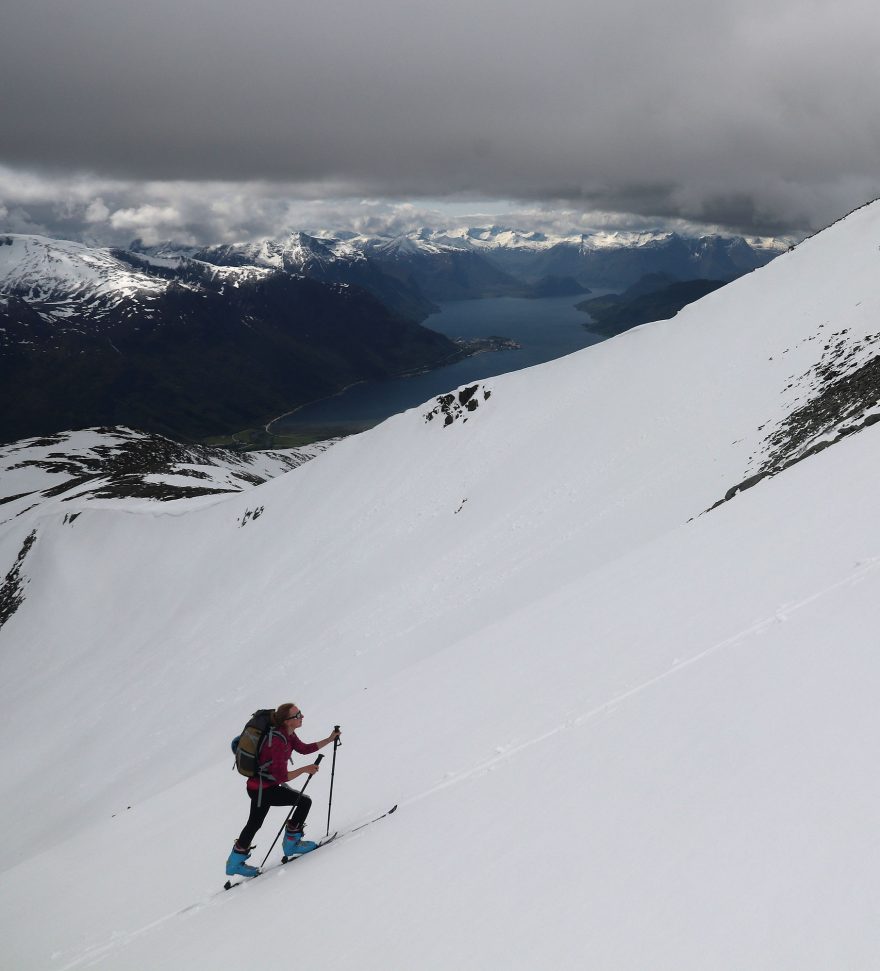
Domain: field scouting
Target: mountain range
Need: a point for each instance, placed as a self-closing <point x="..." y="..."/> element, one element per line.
<point x="603" y="629"/>
<point x="475" y="262"/>
<point x="204" y="341"/>
<point x="93" y="336"/>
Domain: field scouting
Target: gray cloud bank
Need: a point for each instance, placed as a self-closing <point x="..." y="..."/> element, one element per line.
<point x="207" y="115"/>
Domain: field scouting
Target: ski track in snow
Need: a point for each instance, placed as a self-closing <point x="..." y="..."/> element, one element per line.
<point x="121" y="939"/>
<point x="780" y="615"/>
<point x="864" y="568"/>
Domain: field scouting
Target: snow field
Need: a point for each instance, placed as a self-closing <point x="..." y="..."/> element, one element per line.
<point x="615" y="727"/>
<point x="679" y="769"/>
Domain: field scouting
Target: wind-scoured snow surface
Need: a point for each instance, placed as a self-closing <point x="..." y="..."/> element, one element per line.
<point x="624" y="731"/>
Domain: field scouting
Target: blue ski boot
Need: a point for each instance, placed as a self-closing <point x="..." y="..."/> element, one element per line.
<point x="236" y="867"/>
<point x="295" y="845"/>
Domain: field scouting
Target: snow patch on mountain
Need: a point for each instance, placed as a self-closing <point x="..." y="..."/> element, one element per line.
<point x="59" y="276"/>
<point x="486" y="239"/>
<point x="112" y="466"/>
<point x="297" y="252"/>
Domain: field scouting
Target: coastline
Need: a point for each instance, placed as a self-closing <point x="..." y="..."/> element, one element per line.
<point x="468" y="347"/>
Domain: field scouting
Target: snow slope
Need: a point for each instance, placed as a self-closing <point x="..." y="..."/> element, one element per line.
<point x="63" y="279"/>
<point x="623" y="731"/>
<point x="62" y="276"/>
<point x="112" y="465"/>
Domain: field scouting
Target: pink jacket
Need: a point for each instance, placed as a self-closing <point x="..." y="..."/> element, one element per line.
<point x="277" y="749"/>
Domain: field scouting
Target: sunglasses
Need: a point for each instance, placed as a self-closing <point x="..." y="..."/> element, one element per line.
<point x="291" y="718"/>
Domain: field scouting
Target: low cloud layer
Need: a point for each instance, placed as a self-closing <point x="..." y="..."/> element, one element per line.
<point x="111" y="212"/>
<point x="169" y="119"/>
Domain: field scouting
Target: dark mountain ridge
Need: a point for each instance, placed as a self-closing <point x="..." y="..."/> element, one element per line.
<point x="196" y="355"/>
<point x="616" y="268"/>
<point x="195" y="342"/>
<point x="655" y="297"/>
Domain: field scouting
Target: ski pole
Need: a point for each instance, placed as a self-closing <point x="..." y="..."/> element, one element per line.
<point x="295" y="804"/>
<point x="336" y="744"/>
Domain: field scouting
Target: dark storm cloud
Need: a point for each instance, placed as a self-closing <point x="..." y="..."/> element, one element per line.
<point x="756" y="116"/>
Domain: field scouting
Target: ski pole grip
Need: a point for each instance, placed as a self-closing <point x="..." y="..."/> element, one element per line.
<point x="336" y="742"/>
<point x="318" y="759"/>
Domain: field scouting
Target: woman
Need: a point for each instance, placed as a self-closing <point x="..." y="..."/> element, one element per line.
<point x="270" y="788"/>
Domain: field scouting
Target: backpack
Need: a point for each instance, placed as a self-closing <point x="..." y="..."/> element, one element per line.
<point x="246" y="747"/>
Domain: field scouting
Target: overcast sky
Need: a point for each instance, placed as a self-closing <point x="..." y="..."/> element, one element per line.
<point x="214" y="119"/>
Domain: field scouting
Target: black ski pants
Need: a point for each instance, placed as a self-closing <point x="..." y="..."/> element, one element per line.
<point x="262" y="802"/>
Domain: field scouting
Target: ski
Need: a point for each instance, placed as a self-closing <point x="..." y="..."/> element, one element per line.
<point x="229" y="885"/>
<point x="323" y="842"/>
<point x="387" y="812"/>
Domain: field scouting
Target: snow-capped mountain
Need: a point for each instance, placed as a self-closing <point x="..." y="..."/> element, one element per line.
<point x="340" y="261"/>
<point x="603" y="629"/>
<point x="297" y="253"/>
<point x="426" y="262"/>
<point x="612" y="260"/>
<point x="59" y="278"/>
<point x="617" y="261"/>
<point x="469" y="262"/>
<point x="442" y="269"/>
<point x="62" y="281"/>
<point x="503" y="237"/>
<point x="172" y="343"/>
